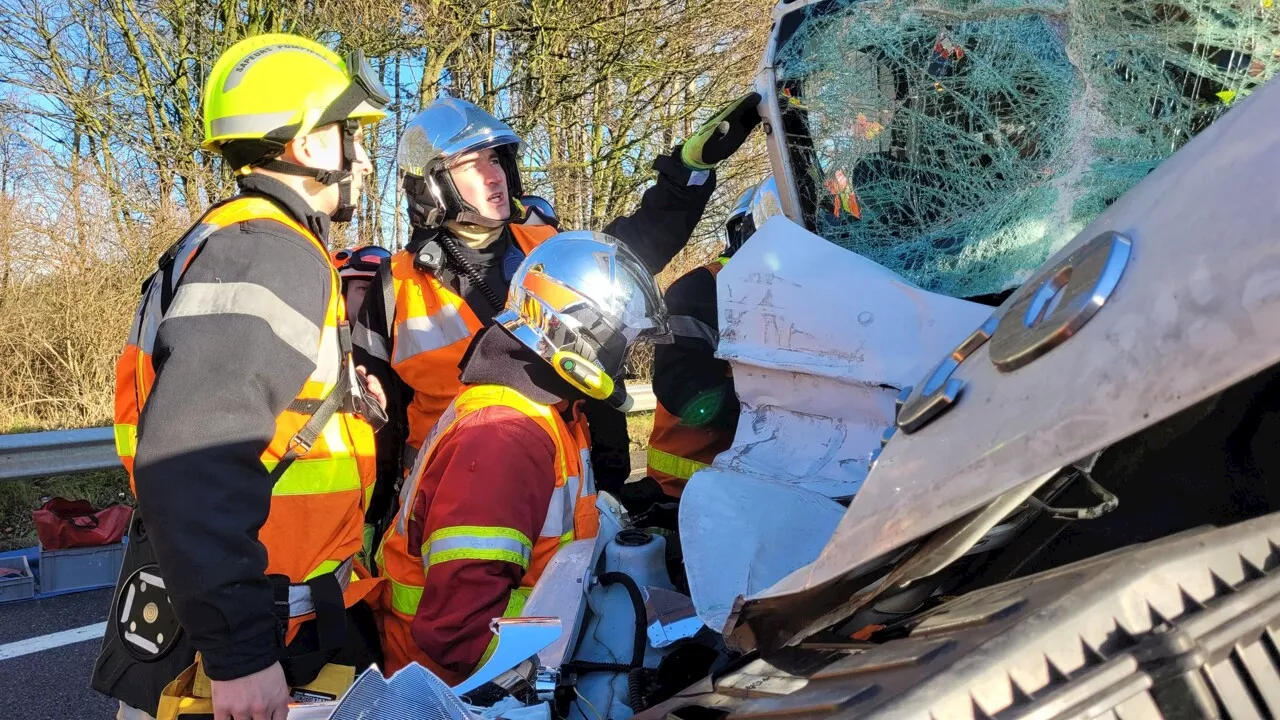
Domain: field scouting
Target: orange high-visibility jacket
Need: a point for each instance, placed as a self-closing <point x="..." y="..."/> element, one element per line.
<point x="317" y="504"/>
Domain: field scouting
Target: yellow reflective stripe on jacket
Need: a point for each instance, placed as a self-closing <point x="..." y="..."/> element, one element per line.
<point x="404" y="598"/>
<point x="474" y="542"/>
<point x="515" y="606"/>
<point x="673" y="465"/>
<point x="315" y="477"/>
<point x="126" y="440"/>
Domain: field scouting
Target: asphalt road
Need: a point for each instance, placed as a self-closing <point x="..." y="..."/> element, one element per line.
<point x="52" y="684"/>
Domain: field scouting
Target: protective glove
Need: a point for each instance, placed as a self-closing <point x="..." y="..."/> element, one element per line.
<point x="723" y="134"/>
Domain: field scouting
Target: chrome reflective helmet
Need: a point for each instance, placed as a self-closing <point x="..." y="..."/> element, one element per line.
<point x="740" y="226"/>
<point x="434" y="139"/>
<point x="766" y="202"/>
<point x="580" y="300"/>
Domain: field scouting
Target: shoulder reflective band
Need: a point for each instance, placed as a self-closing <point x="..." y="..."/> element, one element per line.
<point x="673" y="465"/>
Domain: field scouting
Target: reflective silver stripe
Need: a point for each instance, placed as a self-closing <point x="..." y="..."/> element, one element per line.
<point x="135" y="328"/>
<point x="329" y="361"/>
<point x="187" y="248"/>
<point x="477" y="542"/>
<point x="560" y="510"/>
<point x="409" y="487"/>
<point x="588" y="472"/>
<point x="371" y="342"/>
<point x="255" y="124"/>
<point x="150" y="321"/>
<point x="692" y="327"/>
<point x="237" y="298"/>
<point x="300" y="595"/>
<point x="432" y="332"/>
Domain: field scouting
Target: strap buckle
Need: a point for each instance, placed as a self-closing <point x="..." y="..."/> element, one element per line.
<point x="299" y="445"/>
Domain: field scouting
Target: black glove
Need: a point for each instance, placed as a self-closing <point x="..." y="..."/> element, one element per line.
<point x="723" y="134"/>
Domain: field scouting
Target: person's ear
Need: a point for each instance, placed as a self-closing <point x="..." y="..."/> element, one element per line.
<point x="296" y="150"/>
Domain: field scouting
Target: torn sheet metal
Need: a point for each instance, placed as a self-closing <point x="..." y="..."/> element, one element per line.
<point x="741" y="534"/>
<point x="821" y="341"/>
<point x="1196" y="311"/>
<point x="670" y="616"/>
<point x="518" y="640"/>
<point x="561" y="593"/>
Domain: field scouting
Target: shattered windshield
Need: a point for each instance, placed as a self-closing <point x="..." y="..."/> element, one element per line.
<point x="960" y="144"/>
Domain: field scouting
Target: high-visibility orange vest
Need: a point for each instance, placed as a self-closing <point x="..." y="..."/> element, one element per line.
<point x="571" y="516"/>
<point x="677" y="451"/>
<point x="433" y="327"/>
<point x="317" y="505"/>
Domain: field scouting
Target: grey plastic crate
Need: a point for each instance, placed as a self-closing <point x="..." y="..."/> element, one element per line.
<point x="80" y="568"/>
<point x="17" y="588"/>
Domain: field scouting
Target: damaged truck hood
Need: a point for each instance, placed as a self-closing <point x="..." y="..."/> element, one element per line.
<point x="1195" y="310"/>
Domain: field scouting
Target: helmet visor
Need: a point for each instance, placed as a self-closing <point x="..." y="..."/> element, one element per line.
<point x="639" y="307"/>
<point x="364" y="262"/>
<point x="363" y="76"/>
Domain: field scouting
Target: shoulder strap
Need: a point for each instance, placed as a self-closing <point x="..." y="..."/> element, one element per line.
<point x="301" y="442"/>
<point x="228" y="212"/>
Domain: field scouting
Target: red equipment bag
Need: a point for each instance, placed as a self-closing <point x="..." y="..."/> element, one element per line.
<point x="64" y="523"/>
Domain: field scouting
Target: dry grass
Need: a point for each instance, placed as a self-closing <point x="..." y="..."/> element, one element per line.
<point x="639" y="426"/>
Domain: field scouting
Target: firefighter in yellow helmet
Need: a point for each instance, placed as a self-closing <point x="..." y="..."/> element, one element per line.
<point x="239" y="416"/>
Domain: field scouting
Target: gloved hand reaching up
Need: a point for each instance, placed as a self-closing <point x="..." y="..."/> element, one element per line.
<point x="723" y="134"/>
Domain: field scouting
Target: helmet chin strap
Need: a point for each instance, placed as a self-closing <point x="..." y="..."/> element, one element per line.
<point x="342" y="178"/>
<point x="468" y="217"/>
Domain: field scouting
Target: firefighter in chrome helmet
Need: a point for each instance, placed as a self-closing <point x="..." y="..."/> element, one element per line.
<point x="461" y="175"/>
<point x="505" y="478"/>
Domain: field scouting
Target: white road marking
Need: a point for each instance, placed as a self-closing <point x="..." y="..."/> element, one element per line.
<point x="12" y="650"/>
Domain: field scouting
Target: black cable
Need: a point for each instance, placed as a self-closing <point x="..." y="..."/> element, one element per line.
<point x="637" y="679"/>
<point x="586" y="666"/>
<point x="450" y="247"/>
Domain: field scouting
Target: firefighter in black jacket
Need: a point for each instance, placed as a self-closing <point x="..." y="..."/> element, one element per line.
<point x="237" y="413"/>
<point x="462" y="183"/>
<point x="697" y="411"/>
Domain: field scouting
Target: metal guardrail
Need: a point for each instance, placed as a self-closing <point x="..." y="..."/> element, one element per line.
<point x="59" y="452"/>
<point x="66" y="452"/>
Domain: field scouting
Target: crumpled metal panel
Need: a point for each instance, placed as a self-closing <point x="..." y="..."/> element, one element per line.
<point x="821" y="340"/>
<point x="1196" y="311"/>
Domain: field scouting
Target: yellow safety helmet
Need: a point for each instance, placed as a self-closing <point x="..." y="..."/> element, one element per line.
<point x="269" y="89"/>
<point x="280" y="86"/>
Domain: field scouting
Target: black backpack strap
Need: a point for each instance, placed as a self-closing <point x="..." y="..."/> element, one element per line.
<point x="301" y="442"/>
<point x="303" y="660"/>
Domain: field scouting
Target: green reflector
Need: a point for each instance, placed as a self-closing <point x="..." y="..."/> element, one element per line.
<point x="702" y="408"/>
